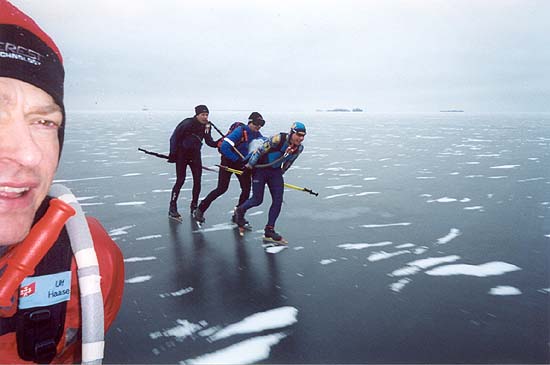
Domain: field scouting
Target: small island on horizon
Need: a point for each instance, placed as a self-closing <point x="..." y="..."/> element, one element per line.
<point x="356" y="110"/>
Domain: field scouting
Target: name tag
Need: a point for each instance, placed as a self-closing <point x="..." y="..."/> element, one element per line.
<point x="41" y="291"/>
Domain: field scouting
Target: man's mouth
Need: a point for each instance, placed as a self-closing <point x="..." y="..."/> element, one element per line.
<point x="10" y="192"/>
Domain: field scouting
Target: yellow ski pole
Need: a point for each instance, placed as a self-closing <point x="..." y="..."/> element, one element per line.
<point x="290" y="186"/>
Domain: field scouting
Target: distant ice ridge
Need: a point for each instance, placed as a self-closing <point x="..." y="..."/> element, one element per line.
<point x="505" y="290"/>
<point x="488" y="269"/>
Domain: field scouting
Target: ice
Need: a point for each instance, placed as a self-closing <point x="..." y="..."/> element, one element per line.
<point x="271" y="319"/>
<point x="454" y="233"/>
<point x="476" y="207"/>
<point x="183" y="330"/>
<point x="138" y="259"/>
<point x="360" y="246"/>
<point x="131" y="203"/>
<point x="274" y="249"/>
<point x="120" y="231"/>
<point x="505" y="290"/>
<point x="327" y="261"/>
<point x="488" y="269"/>
<point x="246" y="352"/>
<point x="367" y="193"/>
<point x="82" y="179"/>
<point x="132" y="174"/>
<point x="178" y="293"/>
<point x="385" y="225"/>
<point x="505" y="167"/>
<point x="256" y="213"/>
<point x="382" y="255"/>
<point x="138" y="279"/>
<point x="398" y="286"/>
<point x="338" y="187"/>
<point x="149" y="237"/>
<point x="335" y="196"/>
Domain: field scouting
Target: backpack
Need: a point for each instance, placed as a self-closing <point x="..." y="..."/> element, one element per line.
<point x="232" y="127"/>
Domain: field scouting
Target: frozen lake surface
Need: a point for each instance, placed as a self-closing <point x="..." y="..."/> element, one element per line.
<point x="429" y="242"/>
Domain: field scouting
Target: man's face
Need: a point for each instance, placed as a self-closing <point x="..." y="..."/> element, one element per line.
<point x="254" y="127"/>
<point x="297" y="138"/>
<point x="29" y="151"/>
<point x="203" y="118"/>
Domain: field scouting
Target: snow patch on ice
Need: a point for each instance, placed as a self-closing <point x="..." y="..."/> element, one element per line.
<point x="385" y="225"/>
<point x="398" y="286"/>
<point x="178" y="293"/>
<point x="477" y="207"/>
<point x="148" y="237"/>
<point x="454" y="233"/>
<point x="256" y="213"/>
<point x="327" y="261"/>
<point x="271" y="319"/>
<point x="138" y="259"/>
<point x="335" y="196"/>
<point x="183" y="330"/>
<point x="505" y="290"/>
<point x="415" y="266"/>
<point x="246" y="352"/>
<point x="505" y="167"/>
<point x="382" y="255"/>
<point x="130" y="203"/>
<point x="274" y="249"/>
<point x="360" y="246"/>
<point x="120" y="231"/>
<point x="488" y="269"/>
<point x="138" y="279"/>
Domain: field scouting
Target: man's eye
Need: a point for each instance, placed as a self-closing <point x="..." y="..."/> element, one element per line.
<point x="48" y="123"/>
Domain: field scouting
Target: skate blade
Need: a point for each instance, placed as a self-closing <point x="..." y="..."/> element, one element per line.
<point x="269" y="240"/>
<point x="179" y="220"/>
<point x="241" y="231"/>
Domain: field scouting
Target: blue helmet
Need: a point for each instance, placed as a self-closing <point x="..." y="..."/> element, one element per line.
<point x="298" y="127"/>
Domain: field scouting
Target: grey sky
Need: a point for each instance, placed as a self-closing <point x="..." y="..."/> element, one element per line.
<point x="408" y="55"/>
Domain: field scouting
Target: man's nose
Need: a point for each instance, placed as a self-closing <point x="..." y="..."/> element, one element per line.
<point x="18" y="144"/>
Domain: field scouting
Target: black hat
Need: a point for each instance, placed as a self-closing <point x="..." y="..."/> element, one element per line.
<point x="256" y="118"/>
<point x="201" y="109"/>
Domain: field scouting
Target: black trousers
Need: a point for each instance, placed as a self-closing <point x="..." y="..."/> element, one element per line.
<point x="223" y="184"/>
<point x="195" y="163"/>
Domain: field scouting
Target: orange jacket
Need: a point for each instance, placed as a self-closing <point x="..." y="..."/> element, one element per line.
<point x="111" y="268"/>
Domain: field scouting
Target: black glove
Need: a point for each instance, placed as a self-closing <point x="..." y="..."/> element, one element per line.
<point x="172" y="158"/>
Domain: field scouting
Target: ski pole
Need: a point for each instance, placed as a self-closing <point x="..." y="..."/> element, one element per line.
<point x="301" y="189"/>
<point x="226" y="168"/>
<point x="160" y="155"/>
<point x="290" y="186"/>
